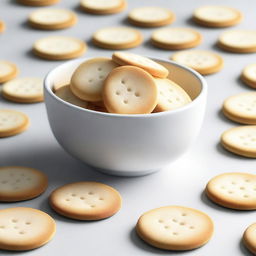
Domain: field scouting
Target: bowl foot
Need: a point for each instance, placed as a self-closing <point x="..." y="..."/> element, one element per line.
<point x="126" y="173"/>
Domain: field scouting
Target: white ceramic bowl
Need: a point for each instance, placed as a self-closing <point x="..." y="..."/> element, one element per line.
<point x="126" y="145"/>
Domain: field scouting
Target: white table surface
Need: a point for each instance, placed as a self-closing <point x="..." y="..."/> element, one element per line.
<point x="181" y="183"/>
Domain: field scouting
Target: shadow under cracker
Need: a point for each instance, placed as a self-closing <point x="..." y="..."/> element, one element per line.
<point x="227" y="153"/>
<point x="243" y="84"/>
<point x="224" y="118"/>
<point x="189" y="21"/>
<point x="215" y="206"/>
<point x="243" y="249"/>
<point x="138" y="242"/>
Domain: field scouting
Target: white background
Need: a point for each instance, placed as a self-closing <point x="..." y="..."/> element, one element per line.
<point x="182" y="183"/>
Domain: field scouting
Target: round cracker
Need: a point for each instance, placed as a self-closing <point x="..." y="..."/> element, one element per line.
<point x="239" y="41"/>
<point x="240" y="140"/>
<point x="152" y="67"/>
<point x="65" y="93"/>
<point x="151" y="16"/>
<point x="52" y="18"/>
<point x="233" y="190"/>
<point x="24" y="228"/>
<point x="170" y="95"/>
<point x="249" y="75"/>
<point x="130" y="90"/>
<point x="2" y="26"/>
<point x="175" y="228"/>
<point x="8" y="71"/>
<point x="117" y="38"/>
<point x="24" y="90"/>
<point x="249" y="238"/>
<point x="103" y="6"/>
<point x="38" y="2"/>
<point x="21" y="183"/>
<point x="86" y="200"/>
<point x="176" y="38"/>
<point x="12" y="122"/>
<point x="204" y="62"/>
<point x="59" y="47"/>
<point x="87" y="80"/>
<point x="241" y="108"/>
<point x="217" y="16"/>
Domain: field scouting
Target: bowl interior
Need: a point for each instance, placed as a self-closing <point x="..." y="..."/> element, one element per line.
<point x="184" y="77"/>
<point x="188" y="79"/>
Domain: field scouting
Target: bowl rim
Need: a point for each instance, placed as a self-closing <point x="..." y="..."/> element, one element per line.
<point x="198" y="76"/>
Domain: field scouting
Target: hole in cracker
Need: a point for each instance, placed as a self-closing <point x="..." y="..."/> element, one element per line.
<point x="247" y="180"/>
<point x="28" y="223"/>
<point x="101" y="77"/>
<point x="160" y="221"/>
<point x="137" y="94"/>
<point x="92" y="206"/>
<point x="246" y="196"/>
<point x="73" y="195"/>
<point x="166" y="227"/>
<point x="90" y="193"/>
<point x="101" y="198"/>
<point x="123" y="81"/>
<point x="90" y="80"/>
<point x="67" y="199"/>
<point x="192" y="227"/>
<point x="230" y="192"/>
<point x="16" y="227"/>
<point x="22" y="232"/>
<point x="125" y="101"/>
<point x="170" y="101"/>
<point x="174" y="220"/>
<point x="2" y="227"/>
<point x="82" y="198"/>
<point x="175" y="233"/>
<point x="117" y="93"/>
<point x="99" y="69"/>
<point x="222" y="187"/>
<point x="4" y="181"/>
<point x="183" y="214"/>
<point x="242" y="188"/>
<point x="233" y="182"/>
<point x="14" y="220"/>
<point x="182" y="223"/>
<point x="129" y="89"/>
